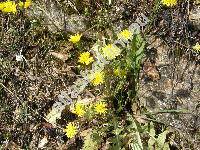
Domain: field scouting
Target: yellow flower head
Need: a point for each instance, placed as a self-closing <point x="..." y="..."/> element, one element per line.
<point x="110" y="51"/>
<point x="25" y="4"/>
<point x="169" y="3"/>
<point x="120" y="72"/>
<point x="100" y="107"/>
<point x="196" y="47"/>
<point x="71" y="130"/>
<point x="85" y="58"/>
<point x="79" y="109"/>
<point x="125" y="34"/>
<point x="75" y="38"/>
<point x="8" y="7"/>
<point x="1" y="5"/>
<point x="98" y="78"/>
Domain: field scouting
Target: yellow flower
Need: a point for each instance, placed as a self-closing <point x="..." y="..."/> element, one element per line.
<point x="100" y="107"/>
<point x="71" y="130"/>
<point x="25" y="4"/>
<point x="1" y="5"/>
<point x="169" y="3"/>
<point x="8" y="7"/>
<point x="120" y="72"/>
<point x="75" y="38"/>
<point x="85" y="58"/>
<point x="125" y="34"/>
<point x="98" y="78"/>
<point x="110" y="51"/>
<point x="196" y="47"/>
<point x="79" y="109"/>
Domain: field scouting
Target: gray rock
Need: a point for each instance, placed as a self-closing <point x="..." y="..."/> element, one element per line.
<point x="53" y="16"/>
<point x="194" y="17"/>
<point x="177" y="89"/>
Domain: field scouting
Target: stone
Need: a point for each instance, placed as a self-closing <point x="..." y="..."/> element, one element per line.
<point x="194" y="17"/>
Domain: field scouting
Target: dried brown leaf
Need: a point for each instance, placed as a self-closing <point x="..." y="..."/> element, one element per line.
<point x="60" y="56"/>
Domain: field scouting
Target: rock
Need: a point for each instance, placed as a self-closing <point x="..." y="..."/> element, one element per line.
<point x="176" y="90"/>
<point x="54" y="17"/>
<point x="194" y="17"/>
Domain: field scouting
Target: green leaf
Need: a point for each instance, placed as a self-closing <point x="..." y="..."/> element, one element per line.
<point x="151" y="142"/>
<point x="89" y="143"/>
<point x="161" y="139"/>
<point x="152" y="131"/>
<point x="136" y="136"/>
<point x="117" y="139"/>
<point x="117" y="144"/>
<point x="135" y="146"/>
<point x="139" y="40"/>
<point x="166" y="146"/>
<point x="152" y="139"/>
<point x="139" y="54"/>
<point x="118" y="131"/>
<point x="140" y="50"/>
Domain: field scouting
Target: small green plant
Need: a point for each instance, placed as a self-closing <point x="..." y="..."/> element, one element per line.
<point x="159" y="142"/>
<point x="123" y="63"/>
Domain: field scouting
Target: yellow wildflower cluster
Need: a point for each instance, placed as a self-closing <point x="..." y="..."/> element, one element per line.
<point x="79" y="109"/>
<point x="169" y="3"/>
<point x="196" y="47"/>
<point x="100" y="107"/>
<point x="125" y="34"/>
<point x="111" y="51"/>
<point x="82" y="109"/>
<point x="75" y="38"/>
<point x="98" y="78"/>
<point x="11" y="6"/>
<point x="85" y="58"/>
<point x="71" y="130"/>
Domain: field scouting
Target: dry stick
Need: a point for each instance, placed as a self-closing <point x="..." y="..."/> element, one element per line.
<point x="188" y="8"/>
<point x="148" y="119"/>
<point x="9" y="91"/>
<point x="90" y="28"/>
<point x="182" y="111"/>
<point x="2" y="32"/>
<point x="73" y="6"/>
<point x="162" y="111"/>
